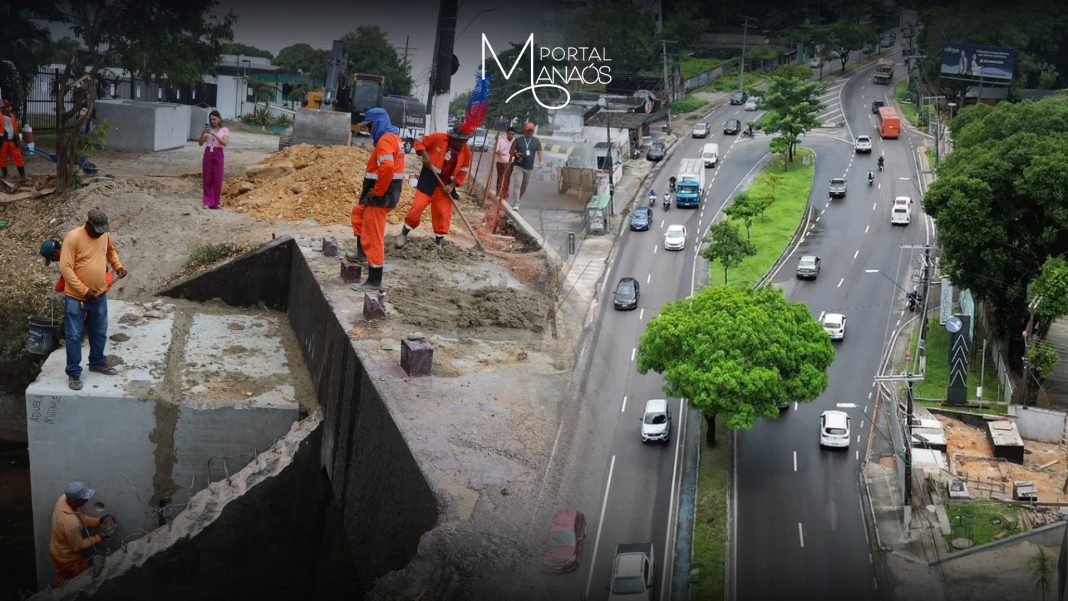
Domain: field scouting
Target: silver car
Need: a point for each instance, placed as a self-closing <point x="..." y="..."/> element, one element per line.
<point x="808" y="267"/>
<point x="656" y="421"/>
<point x="701" y="129"/>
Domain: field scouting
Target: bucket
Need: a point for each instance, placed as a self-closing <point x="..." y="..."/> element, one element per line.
<point x="43" y="336"/>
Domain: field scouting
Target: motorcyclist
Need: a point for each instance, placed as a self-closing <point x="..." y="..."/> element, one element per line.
<point x="749" y="130"/>
<point x="881" y="159"/>
<point x="913" y="299"/>
<point x="671" y="182"/>
<point x="871" y="178"/>
<point x="652" y="197"/>
<point x="667" y="201"/>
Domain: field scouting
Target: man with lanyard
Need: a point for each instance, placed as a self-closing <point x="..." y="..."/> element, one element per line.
<point x="449" y="157"/>
<point x="381" y="193"/>
<point x="523" y="151"/>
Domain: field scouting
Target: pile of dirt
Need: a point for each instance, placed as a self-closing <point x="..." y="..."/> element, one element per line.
<point x="435" y="304"/>
<point x="422" y="248"/>
<point x="301" y="182"/>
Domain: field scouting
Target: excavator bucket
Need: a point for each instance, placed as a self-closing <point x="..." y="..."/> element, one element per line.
<point x="312" y="126"/>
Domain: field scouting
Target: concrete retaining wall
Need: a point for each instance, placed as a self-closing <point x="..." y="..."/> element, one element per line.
<point x="137" y="125"/>
<point x="198" y="116"/>
<point x="258" y="276"/>
<point x="1042" y="425"/>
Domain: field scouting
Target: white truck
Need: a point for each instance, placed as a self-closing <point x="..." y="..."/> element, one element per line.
<point x="632" y="573"/>
<point x="690" y="184"/>
<point x="710" y="154"/>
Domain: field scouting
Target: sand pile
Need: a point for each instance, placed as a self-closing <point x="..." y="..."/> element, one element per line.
<point x="301" y="182"/>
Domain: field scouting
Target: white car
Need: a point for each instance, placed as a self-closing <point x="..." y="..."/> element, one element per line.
<point x="701" y="129"/>
<point x="815" y="63"/>
<point x="834" y="429"/>
<point x="751" y="104"/>
<point x="863" y="144"/>
<point x="901" y="213"/>
<point x="656" y="421"/>
<point x="834" y="324"/>
<point x="675" y="237"/>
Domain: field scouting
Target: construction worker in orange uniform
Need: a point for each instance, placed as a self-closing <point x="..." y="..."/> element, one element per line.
<point x="448" y="156"/>
<point x="9" y="140"/>
<point x="70" y="537"/>
<point x="381" y="192"/>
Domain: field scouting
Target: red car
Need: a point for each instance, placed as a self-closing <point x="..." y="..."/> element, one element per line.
<point x="566" y="533"/>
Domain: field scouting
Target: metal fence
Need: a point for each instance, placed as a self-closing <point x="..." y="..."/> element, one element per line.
<point x="39" y="110"/>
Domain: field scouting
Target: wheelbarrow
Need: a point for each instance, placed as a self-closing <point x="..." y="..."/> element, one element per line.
<point x="88" y="167"/>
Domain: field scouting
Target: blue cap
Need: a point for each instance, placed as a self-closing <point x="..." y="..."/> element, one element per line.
<point x="48" y="248"/>
<point x="78" y="491"/>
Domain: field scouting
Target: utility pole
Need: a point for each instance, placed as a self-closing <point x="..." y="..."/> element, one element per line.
<point x="663" y="49"/>
<point x="745" y="39"/>
<point x="910" y="379"/>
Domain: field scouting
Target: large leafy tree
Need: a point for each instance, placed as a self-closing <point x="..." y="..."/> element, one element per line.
<point x="737" y="352"/>
<point x="1001" y="201"/>
<point x="844" y="37"/>
<point x="1051" y="287"/>
<point x="24" y="46"/>
<point x="369" y="52"/>
<point x="303" y="58"/>
<point x="792" y="105"/>
<point x="246" y="50"/>
<point x="685" y="22"/>
<point x="154" y="39"/>
<point x="627" y="33"/>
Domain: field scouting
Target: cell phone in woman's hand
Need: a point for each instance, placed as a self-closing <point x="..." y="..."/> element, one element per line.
<point x="207" y="125"/>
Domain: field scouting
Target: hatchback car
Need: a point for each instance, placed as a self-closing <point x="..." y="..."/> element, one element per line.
<point x="863" y="144"/>
<point x="834" y="324"/>
<point x="701" y="130"/>
<point x="732" y="126"/>
<point x="567" y="531"/>
<point x="808" y="267"/>
<point x="656" y="151"/>
<point x="876" y="105"/>
<point x="837" y="188"/>
<point x="656" y="421"/>
<point x="751" y="104"/>
<point x="834" y="429"/>
<point x="739" y="97"/>
<point x="675" y="237"/>
<point x="641" y="219"/>
<point x="627" y="293"/>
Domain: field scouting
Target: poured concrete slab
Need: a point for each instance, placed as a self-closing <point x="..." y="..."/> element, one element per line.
<point x="201" y="390"/>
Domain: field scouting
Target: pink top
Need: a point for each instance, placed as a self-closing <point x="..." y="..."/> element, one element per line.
<point x="504" y="149"/>
<point x="212" y="143"/>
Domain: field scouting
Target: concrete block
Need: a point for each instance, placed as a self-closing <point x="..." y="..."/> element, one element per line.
<point x="417" y="355"/>
<point x="374" y="305"/>
<point x="350" y="271"/>
<point x="137" y="125"/>
<point x="163" y="427"/>
<point x="198" y="116"/>
<point x="329" y="246"/>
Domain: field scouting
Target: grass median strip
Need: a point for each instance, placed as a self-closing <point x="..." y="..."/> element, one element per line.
<point x="771" y="233"/>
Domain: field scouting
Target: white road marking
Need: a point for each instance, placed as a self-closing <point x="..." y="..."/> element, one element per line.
<point x="873" y="205"/>
<point x="857" y="252"/>
<point x="857" y="455"/>
<point x="869" y="396"/>
<point x="866" y="228"/>
<point x="600" y="523"/>
<point x="801" y="534"/>
<point x="820" y="318"/>
<point x="795" y="461"/>
<point x="633" y="351"/>
<point x="655" y="246"/>
<point x="846" y="405"/>
<point x="840" y="283"/>
<point x="861" y="424"/>
<point x="648" y="278"/>
<point x="858" y="438"/>
<point x="665" y="588"/>
<point x="661" y="223"/>
<point x="822" y="212"/>
<point x="817" y="219"/>
<point x="796" y="405"/>
<point x="624" y="408"/>
<point x="641" y="314"/>
<point x="898" y="323"/>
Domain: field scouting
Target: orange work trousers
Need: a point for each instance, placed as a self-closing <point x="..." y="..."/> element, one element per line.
<point x="357" y="219"/>
<point x="373" y="234"/>
<point x="440" y="211"/>
<point x="11" y="148"/>
<point x="67" y="571"/>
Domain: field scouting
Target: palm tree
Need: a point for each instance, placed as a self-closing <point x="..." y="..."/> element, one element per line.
<point x="1042" y="569"/>
<point x="261" y="89"/>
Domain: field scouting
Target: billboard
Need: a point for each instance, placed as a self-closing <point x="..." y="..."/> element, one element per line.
<point x="972" y="62"/>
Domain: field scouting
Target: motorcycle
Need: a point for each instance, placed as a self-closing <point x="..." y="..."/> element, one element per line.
<point x="871" y="178"/>
<point x="671" y="184"/>
<point x="880" y="163"/>
<point x="914" y="299"/>
<point x="667" y="201"/>
<point x="652" y="197"/>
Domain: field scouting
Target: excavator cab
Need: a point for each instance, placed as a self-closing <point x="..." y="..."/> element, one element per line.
<point x="364" y="93"/>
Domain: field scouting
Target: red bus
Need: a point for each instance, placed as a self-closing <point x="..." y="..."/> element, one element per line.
<point x="889" y="122"/>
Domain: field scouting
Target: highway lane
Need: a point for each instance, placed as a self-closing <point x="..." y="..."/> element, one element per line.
<point x="639" y="498"/>
<point x="799" y="529"/>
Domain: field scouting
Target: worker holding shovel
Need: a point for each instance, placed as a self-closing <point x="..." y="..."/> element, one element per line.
<point x="446" y="163"/>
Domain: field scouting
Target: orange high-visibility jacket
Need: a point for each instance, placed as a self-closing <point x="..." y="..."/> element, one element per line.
<point x="437" y="146"/>
<point x="384" y="173"/>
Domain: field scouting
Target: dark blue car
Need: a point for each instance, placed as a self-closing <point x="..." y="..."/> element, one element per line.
<point x="641" y="219"/>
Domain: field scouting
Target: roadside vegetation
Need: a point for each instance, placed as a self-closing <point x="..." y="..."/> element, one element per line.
<point x="688" y="104"/>
<point x="981" y="523"/>
<point x="904" y="102"/>
<point x="710" y="523"/>
<point x="937" y="375"/>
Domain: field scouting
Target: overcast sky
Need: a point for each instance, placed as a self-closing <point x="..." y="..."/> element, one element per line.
<point x="273" y="25"/>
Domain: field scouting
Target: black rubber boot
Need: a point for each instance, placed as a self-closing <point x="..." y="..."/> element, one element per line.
<point x="22" y="172"/>
<point x="439" y="241"/>
<point x="4" y="170"/>
<point x="374" y="280"/>
<point x="403" y="237"/>
<point x="357" y="256"/>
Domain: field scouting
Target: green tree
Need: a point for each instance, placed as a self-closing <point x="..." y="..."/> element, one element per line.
<point x="262" y="90"/>
<point x="245" y="50"/>
<point x="1042" y="358"/>
<point x="737" y="352"/>
<point x="624" y="30"/>
<point x="370" y="52"/>
<point x="724" y="243"/>
<point x="745" y="208"/>
<point x="458" y="104"/>
<point x="780" y="147"/>
<point x="792" y="105"/>
<point x="1042" y="569"/>
<point x="24" y="47"/>
<point x="845" y="37"/>
<point x="1001" y="202"/>
<point x="685" y="22"/>
<point x="302" y="58"/>
<point x="1052" y="285"/>
<point x="154" y="39"/>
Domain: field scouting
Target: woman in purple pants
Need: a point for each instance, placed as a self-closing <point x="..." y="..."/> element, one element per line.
<point x="216" y="137"/>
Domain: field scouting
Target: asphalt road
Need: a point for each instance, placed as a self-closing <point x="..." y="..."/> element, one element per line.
<point x="799" y="525"/>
